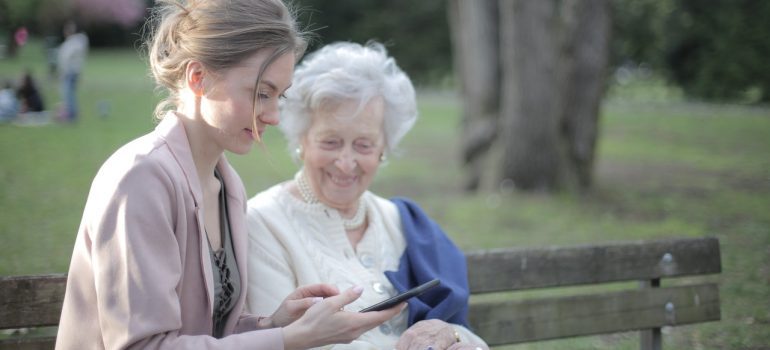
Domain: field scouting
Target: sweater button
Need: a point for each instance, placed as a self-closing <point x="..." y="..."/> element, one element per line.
<point x="367" y="260"/>
<point x="385" y="328"/>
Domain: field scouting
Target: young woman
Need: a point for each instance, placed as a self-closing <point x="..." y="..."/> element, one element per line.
<point x="160" y="257"/>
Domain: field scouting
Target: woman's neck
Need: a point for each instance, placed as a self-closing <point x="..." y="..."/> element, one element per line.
<point x="205" y="153"/>
<point x="349" y="211"/>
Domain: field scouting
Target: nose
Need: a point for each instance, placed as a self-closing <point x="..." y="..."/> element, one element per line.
<point x="269" y="114"/>
<point x="346" y="161"/>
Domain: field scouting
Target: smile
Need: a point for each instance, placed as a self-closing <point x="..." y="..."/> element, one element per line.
<point x="343" y="181"/>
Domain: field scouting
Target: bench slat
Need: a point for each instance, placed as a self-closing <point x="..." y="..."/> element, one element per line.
<point x="517" y="269"/>
<point x="42" y="343"/>
<point x="31" y="301"/>
<point x="510" y="322"/>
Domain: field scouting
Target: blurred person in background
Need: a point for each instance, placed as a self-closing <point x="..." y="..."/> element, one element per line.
<point x="9" y="105"/>
<point x="71" y="58"/>
<point x="347" y="110"/>
<point x="160" y="256"/>
<point x="30" y="98"/>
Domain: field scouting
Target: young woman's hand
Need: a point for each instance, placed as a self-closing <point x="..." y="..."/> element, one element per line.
<point x="296" y="303"/>
<point x="326" y="323"/>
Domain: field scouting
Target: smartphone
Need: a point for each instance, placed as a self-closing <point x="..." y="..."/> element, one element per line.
<point x="389" y="303"/>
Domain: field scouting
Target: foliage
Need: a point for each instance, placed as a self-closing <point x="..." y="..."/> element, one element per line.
<point x="415" y="32"/>
<point x="714" y="51"/>
<point x="18" y="12"/>
<point x="123" y="12"/>
<point x="107" y="22"/>
<point x="637" y="30"/>
<point x="37" y="15"/>
<point x="719" y="51"/>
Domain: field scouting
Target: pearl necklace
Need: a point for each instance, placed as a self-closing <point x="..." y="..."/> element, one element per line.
<point x="309" y="197"/>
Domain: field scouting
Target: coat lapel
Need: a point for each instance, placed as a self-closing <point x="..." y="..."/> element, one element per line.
<point x="172" y="131"/>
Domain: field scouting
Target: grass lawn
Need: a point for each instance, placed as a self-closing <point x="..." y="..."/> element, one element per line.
<point x="665" y="168"/>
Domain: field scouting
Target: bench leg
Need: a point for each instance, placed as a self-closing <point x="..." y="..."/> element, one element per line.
<point x="650" y="339"/>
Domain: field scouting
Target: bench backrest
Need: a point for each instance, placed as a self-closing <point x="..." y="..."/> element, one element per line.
<point x="35" y="301"/>
<point x="510" y="321"/>
<point x="30" y="301"/>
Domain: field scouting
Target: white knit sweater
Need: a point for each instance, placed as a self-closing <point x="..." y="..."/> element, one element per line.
<point x="293" y="243"/>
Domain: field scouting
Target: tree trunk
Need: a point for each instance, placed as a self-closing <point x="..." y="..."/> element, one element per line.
<point x="475" y="46"/>
<point x="532" y="75"/>
<point x="533" y="147"/>
<point x="586" y="53"/>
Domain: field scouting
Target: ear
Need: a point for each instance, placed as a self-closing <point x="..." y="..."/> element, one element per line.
<point x="194" y="73"/>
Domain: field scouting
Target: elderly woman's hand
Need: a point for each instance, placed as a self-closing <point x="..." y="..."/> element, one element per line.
<point x="427" y="334"/>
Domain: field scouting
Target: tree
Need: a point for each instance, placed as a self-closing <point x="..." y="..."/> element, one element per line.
<point x="477" y="65"/>
<point x="552" y="57"/>
<point x="585" y="61"/>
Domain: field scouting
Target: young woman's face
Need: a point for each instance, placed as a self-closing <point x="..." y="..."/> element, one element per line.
<point x="341" y="151"/>
<point x="228" y="106"/>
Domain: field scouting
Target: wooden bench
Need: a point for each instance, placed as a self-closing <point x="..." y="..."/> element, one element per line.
<point x="501" y="319"/>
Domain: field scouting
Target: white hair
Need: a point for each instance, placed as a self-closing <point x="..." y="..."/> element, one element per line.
<point x="346" y="71"/>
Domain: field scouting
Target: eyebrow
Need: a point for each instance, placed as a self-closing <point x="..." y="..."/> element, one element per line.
<point x="332" y="132"/>
<point x="273" y="86"/>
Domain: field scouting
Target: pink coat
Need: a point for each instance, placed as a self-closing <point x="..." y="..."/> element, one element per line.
<point x="140" y="275"/>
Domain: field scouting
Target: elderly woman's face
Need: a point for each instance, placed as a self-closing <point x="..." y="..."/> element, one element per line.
<point x="342" y="151"/>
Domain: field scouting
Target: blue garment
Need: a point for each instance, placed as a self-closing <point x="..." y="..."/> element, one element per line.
<point x="69" y="94"/>
<point x="430" y="254"/>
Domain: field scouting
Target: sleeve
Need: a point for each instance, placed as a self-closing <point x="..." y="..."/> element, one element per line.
<point x="271" y="277"/>
<point x="137" y="267"/>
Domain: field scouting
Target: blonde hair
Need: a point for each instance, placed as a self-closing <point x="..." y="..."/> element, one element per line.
<point x="219" y="34"/>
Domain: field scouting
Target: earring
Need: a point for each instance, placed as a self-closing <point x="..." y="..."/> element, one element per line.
<point x="298" y="152"/>
<point x="383" y="157"/>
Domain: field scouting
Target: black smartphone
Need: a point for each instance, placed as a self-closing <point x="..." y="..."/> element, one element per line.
<point x="389" y="303"/>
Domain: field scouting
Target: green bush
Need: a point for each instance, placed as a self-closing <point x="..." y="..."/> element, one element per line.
<point x="713" y="50"/>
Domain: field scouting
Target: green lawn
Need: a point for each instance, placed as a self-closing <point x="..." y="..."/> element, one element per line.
<point x="666" y="168"/>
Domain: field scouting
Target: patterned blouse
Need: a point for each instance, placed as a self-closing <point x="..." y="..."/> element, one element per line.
<point x="226" y="277"/>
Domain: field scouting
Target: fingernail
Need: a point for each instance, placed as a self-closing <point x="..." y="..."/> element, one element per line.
<point x="358" y="289"/>
<point x="317" y="300"/>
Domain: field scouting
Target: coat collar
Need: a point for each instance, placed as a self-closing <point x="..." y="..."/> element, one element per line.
<point x="172" y="131"/>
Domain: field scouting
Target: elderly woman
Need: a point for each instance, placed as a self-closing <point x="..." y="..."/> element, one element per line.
<point x="347" y="109"/>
